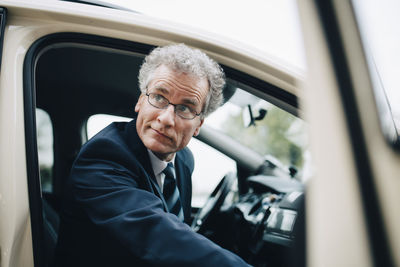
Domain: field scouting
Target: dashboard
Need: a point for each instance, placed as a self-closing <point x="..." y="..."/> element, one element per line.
<point x="264" y="225"/>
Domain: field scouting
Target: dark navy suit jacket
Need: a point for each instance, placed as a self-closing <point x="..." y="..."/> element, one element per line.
<point x="114" y="214"/>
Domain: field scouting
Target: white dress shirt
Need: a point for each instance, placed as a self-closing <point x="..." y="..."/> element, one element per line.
<point x="158" y="167"/>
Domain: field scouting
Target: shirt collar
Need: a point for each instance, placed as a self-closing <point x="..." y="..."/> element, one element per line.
<point x="157" y="164"/>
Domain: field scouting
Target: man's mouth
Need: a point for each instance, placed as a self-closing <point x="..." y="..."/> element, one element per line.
<point x="161" y="134"/>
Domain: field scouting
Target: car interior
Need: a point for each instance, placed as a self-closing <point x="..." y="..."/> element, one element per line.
<point x="255" y="211"/>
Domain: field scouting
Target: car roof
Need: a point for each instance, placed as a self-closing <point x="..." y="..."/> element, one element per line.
<point x="141" y="28"/>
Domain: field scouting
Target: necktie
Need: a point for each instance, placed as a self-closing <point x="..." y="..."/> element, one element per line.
<point x="171" y="192"/>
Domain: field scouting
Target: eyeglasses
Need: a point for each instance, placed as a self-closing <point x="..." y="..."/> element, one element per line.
<point x="158" y="101"/>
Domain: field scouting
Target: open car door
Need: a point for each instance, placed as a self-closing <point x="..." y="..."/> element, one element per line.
<point x="352" y="217"/>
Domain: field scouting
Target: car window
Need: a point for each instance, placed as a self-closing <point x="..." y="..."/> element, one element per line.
<point x="98" y="122"/>
<point x="381" y="40"/>
<point x="266" y="129"/>
<point x="44" y="130"/>
<point x="210" y="167"/>
<point x="210" y="164"/>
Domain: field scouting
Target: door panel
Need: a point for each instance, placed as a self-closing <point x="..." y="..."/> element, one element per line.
<point x="340" y="102"/>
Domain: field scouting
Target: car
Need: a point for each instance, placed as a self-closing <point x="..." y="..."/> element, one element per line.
<point x="303" y="166"/>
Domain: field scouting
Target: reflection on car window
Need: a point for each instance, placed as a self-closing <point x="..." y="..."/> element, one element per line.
<point x="278" y="135"/>
<point x="45" y="148"/>
<point x="380" y="35"/>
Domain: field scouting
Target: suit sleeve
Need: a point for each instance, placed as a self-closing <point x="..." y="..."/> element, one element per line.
<point x="111" y="196"/>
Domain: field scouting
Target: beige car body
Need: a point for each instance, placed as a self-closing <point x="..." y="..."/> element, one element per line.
<point x="337" y="232"/>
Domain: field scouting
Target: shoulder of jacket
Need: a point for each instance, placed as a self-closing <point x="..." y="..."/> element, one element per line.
<point x="186" y="156"/>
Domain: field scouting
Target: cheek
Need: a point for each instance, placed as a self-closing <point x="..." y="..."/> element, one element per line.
<point x="186" y="133"/>
<point x="139" y="124"/>
<point x="145" y="113"/>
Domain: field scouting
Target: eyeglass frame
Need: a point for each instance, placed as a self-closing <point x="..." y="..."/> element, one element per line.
<point x="175" y="106"/>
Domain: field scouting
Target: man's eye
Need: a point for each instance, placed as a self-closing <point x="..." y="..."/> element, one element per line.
<point x="183" y="109"/>
<point x="158" y="98"/>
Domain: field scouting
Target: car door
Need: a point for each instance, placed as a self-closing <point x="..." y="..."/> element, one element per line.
<point x="39" y="28"/>
<point x="351" y="204"/>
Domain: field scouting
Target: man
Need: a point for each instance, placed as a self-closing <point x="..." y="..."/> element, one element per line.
<point x="125" y="204"/>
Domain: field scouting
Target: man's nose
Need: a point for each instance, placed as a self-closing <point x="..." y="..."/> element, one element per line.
<point x="167" y="116"/>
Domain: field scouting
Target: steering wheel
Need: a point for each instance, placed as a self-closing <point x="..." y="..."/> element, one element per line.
<point x="213" y="203"/>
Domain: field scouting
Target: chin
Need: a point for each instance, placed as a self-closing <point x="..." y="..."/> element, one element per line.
<point x="155" y="147"/>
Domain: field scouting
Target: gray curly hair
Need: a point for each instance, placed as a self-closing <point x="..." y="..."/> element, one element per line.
<point x="181" y="58"/>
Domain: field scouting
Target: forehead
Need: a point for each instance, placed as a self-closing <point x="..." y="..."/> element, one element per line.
<point x="177" y="83"/>
<point x="165" y="72"/>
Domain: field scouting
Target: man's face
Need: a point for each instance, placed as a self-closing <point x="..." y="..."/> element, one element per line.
<point x="161" y="130"/>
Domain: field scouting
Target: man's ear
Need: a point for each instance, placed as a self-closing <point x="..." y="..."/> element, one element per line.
<point x="197" y="130"/>
<point x="139" y="103"/>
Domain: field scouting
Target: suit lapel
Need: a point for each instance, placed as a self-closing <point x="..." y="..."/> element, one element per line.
<point x="183" y="177"/>
<point x="137" y="147"/>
